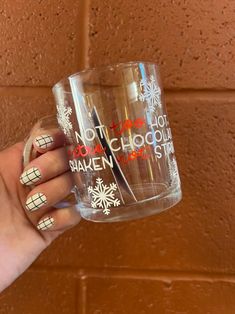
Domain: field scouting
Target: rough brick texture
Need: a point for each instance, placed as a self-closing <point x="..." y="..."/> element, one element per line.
<point x="181" y="261"/>
<point x="39" y="41"/>
<point x="31" y="105"/>
<point x="38" y="293"/>
<point x="145" y="295"/>
<point x="193" y="41"/>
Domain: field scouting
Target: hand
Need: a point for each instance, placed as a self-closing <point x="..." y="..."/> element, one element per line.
<point x="28" y="222"/>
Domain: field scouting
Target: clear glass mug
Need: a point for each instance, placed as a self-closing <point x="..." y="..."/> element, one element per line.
<point x="120" y="150"/>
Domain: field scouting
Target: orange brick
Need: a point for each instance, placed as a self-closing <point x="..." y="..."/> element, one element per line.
<point x="41" y="293"/>
<point x="199" y="233"/>
<point x="39" y="41"/>
<point x="20" y="109"/>
<point x="140" y="296"/>
<point x="192" y="41"/>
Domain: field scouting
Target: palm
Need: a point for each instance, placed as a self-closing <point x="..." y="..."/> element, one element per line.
<point x="20" y="241"/>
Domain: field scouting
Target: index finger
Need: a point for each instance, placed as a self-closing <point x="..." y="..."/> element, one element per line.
<point x="49" y="140"/>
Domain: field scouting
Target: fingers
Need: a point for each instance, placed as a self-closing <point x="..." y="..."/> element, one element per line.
<point x="49" y="193"/>
<point x="41" y="199"/>
<point x="52" y="159"/>
<point x="45" y="167"/>
<point x="49" y="140"/>
<point x="59" y="220"/>
<point x="52" y="182"/>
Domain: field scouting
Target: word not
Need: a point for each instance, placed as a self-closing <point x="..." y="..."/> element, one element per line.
<point x="89" y="134"/>
<point x="122" y="126"/>
<point x="91" y="164"/>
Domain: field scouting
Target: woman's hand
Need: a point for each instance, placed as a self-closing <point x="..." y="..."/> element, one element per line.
<point x="28" y="222"/>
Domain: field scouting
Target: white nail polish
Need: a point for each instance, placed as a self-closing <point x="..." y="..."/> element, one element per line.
<point x="30" y="176"/>
<point x="35" y="201"/>
<point x="46" y="223"/>
<point x="43" y="141"/>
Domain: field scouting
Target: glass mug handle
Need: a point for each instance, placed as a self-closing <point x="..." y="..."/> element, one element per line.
<point x="30" y="153"/>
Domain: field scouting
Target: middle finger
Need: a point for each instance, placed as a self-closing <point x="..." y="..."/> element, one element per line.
<point x="45" y="167"/>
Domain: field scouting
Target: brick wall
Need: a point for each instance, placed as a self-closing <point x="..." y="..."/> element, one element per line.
<point x="181" y="261"/>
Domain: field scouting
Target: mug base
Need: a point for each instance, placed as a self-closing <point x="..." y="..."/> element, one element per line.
<point x="141" y="209"/>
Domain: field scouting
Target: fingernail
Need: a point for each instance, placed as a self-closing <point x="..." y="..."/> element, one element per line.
<point x="35" y="201"/>
<point x="43" y="141"/>
<point x="30" y="176"/>
<point x="46" y="223"/>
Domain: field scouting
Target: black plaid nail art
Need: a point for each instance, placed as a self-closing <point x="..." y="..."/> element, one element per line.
<point x="30" y="176"/>
<point x="45" y="223"/>
<point x="43" y="141"/>
<point x="35" y="201"/>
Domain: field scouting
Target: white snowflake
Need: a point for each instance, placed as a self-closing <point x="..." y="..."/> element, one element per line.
<point x="103" y="196"/>
<point x="173" y="170"/>
<point x="150" y="93"/>
<point x="63" y="114"/>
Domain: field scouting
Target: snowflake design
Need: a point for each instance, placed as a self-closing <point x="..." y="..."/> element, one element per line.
<point x="151" y="93"/>
<point x="103" y="196"/>
<point x="173" y="170"/>
<point x="63" y="114"/>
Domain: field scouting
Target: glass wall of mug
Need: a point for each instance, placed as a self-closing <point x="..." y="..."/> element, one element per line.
<point x="120" y="150"/>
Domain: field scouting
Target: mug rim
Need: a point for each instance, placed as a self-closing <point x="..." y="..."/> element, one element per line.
<point x="112" y="66"/>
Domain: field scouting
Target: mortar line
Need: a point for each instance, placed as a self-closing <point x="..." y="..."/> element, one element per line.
<point x="80" y="294"/>
<point x="25" y="91"/>
<point x="140" y="274"/>
<point x="199" y="90"/>
<point x="83" y="309"/>
<point x="77" y="295"/>
<point x="167" y="91"/>
<point x="83" y="42"/>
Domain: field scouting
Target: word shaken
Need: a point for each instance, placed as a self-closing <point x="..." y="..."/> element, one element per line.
<point x="91" y="164"/>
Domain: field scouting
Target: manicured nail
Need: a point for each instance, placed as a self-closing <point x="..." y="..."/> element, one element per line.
<point x="43" y="141"/>
<point x="30" y="176"/>
<point x="35" y="201"/>
<point x="46" y="223"/>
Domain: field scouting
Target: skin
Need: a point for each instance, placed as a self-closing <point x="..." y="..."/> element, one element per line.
<point x="20" y="241"/>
